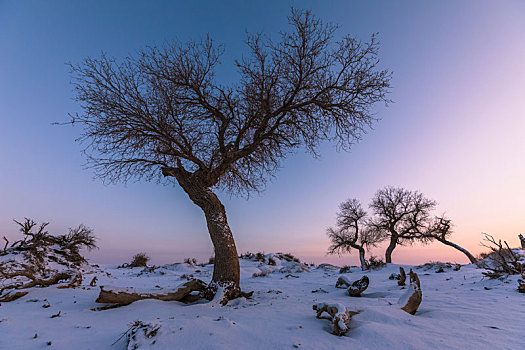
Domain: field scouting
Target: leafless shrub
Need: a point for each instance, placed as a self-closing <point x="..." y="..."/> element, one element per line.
<point x="190" y="261"/>
<point x="139" y="260"/>
<point x="501" y="260"/>
<point x="287" y="257"/>
<point x="376" y="263"/>
<point x="259" y="256"/>
<point x="39" y="247"/>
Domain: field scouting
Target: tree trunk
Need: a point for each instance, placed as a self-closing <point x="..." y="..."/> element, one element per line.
<point x="226" y="266"/>
<point x="364" y="265"/>
<point x="390" y="249"/>
<point x="472" y="259"/>
<point x="226" y="271"/>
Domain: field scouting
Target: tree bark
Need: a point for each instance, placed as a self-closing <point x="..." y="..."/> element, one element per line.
<point x="390" y="249"/>
<point x="364" y="265"/>
<point x="472" y="259"/>
<point x="226" y="266"/>
<point x="226" y="271"/>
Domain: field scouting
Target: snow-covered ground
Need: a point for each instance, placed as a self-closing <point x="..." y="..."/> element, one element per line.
<point x="460" y="310"/>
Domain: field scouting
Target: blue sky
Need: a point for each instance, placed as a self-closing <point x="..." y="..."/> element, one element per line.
<point x="454" y="131"/>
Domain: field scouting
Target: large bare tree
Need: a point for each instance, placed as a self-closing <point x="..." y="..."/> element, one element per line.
<point x="162" y="113"/>
<point x="353" y="232"/>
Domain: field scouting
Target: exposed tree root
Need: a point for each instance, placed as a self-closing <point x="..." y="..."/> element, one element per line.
<point x="339" y="316"/>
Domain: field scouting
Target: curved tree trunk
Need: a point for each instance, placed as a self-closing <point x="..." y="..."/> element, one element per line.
<point x="226" y="271"/>
<point x="390" y="249"/>
<point x="364" y="265"/>
<point x="472" y="259"/>
<point x="226" y="265"/>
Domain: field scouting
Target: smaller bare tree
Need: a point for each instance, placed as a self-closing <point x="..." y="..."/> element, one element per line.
<point x="352" y="231"/>
<point x="400" y="214"/>
<point x="440" y="230"/>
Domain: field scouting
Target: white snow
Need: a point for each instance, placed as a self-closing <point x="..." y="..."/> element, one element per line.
<point x="460" y="310"/>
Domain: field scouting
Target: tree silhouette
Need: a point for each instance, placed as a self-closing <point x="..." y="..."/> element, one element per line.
<point x="353" y="232"/>
<point x="402" y="215"/>
<point x="162" y="113"/>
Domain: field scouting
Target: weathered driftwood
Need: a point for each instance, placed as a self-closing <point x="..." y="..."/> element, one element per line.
<point x="74" y="277"/>
<point x="343" y="282"/>
<point x="402" y="277"/>
<point x="123" y="297"/>
<point x="358" y="287"/>
<point x="414" y="299"/>
<point x="339" y="315"/>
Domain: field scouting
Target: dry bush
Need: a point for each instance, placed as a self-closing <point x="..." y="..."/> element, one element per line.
<point x="190" y="261"/>
<point x="376" y="263"/>
<point x="287" y="257"/>
<point x="139" y="260"/>
<point x="259" y="256"/>
<point x="38" y="249"/>
<point x="502" y="260"/>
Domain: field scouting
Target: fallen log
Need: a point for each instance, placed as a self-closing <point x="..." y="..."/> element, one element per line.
<point x="123" y="297"/>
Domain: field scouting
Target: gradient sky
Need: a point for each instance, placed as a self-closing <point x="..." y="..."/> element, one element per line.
<point x="456" y="131"/>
